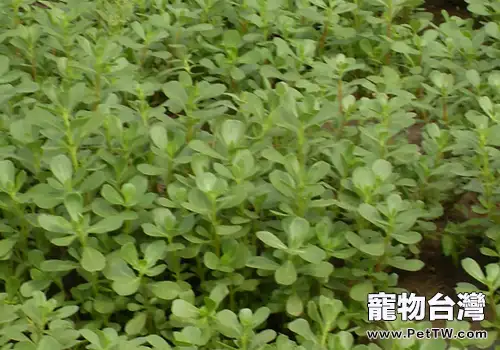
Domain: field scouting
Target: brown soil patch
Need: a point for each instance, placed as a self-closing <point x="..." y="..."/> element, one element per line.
<point x="453" y="7"/>
<point x="441" y="275"/>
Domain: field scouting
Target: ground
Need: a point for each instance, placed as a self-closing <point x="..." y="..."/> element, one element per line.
<point x="453" y="7"/>
<point x="441" y="274"/>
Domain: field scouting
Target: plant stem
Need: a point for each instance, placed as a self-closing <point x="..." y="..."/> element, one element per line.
<point x="33" y="69"/>
<point x="324" y="335"/>
<point x="357" y="19"/>
<point x="322" y="39"/>
<point x="127" y="227"/>
<point x="389" y="29"/>
<point x="70" y="140"/>
<point x="493" y="306"/>
<point x="214" y="230"/>
<point x="445" y="110"/>
<point x="232" y="302"/>
<point x="340" y="97"/>
<point x="97" y="90"/>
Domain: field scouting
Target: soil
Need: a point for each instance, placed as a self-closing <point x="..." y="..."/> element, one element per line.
<point x="453" y="7"/>
<point x="441" y="274"/>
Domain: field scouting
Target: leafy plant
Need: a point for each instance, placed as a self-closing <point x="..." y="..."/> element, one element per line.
<point x="208" y="174"/>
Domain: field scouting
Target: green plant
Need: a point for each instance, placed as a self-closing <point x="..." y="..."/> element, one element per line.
<point x="208" y="174"/>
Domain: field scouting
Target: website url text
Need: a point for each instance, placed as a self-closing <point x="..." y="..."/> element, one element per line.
<point x="428" y="333"/>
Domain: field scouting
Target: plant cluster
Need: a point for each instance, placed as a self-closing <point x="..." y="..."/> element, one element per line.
<point x="214" y="174"/>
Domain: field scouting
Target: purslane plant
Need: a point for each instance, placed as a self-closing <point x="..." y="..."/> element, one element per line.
<point x="211" y="174"/>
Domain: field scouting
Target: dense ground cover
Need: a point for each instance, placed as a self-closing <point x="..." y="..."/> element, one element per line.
<point x="207" y="174"/>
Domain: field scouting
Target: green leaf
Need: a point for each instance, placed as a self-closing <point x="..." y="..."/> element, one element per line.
<point x="28" y="288"/>
<point x="159" y="136"/>
<point x="129" y="193"/>
<point x="54" y="223"/>
<point x="486" y="105"/>
<point x="4" y="64"/>
<point x="302" y="328"/>
<point x="44" y="196"/>
<point x="49" y="343"/>
<point x="317" y="172"/>
<point x="283" y="182"/>
<point x="129" y="253"/>
<point x="360" y="291"/>
<point x="406" y="264"/>
<point x="262" y="263"/>
<point x="330" y="308"/>
<point x="232" y="132"/>
<point x="298" y="232"/>
<point x="407" y="237"/>
<point x="61" y="168"/>
<point x="136" y="324"/>
<point x="491" y="28"/>
<point x="282" y="48"/>
<point x="228" y="324"/>
<point x="227" y="230"/>
<point x="74" y="205"/>
<point x="7" y="174"/>
<point x="164" y="218"/>
<point x="218" y="293"/>
<point x="58" y="265"/>
<point x="204" y="148"/>
<point x="183" y="309"/>
<point x="92" y="182"/>
<point x="473" y="77"/>
<point x="126" y="286"/>
<point x="158" y="342"/>
<point x="322" y="203"/>
<point x="260" y="316"/>
<point x="370" y="213"/>
<point x="382" y="169"/>
<point x="206" y="182"/>
<point x="109" y="224"/>
<point x="294" y="305"/>
<point x="354" y="239"/>
<point x="473" y="269"/>
<point x="136" y="26"/>
<point x="75" y="95"/>
<point x="313" y="254"/>
<point x="191" y="335"/>
<point x="6" y="246"/>
<point x="373" y="249"/>
<point x="268" y="71"/>
<point x="155" y="251"/>
<point x="207" y="91"/>
<point x="150" y="170"/>
<point x="320" y="270"/>
<point x="63" y="241"/>
<point x="286" y="274"/>
<point x="112" y="195"/>
<point x="231" y="39"/>
<point x="394" y="203"/>
<point x="273" y="155"/>
<point x="176" y="92"/>
<point x="90" y="336"/>
<point x="237" y="74"/>
<point x="271" y="240"/>
<point x="66" y="311"/>
<point x="404" y="48"/>
<point x="92" y="259"/>
<point x="166" y="290"/>
<point x="363" y="178"/>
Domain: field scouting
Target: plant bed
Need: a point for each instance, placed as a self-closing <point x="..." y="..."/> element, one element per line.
<point x="210" y="174"/>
